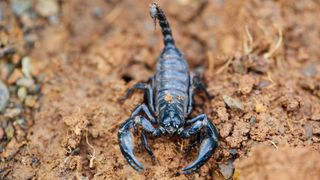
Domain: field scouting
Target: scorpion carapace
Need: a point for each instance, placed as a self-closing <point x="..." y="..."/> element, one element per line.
<point x="168" y="105"/>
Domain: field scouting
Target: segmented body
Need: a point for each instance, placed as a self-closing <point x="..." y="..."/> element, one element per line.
<point x="172" y="75"/>
<point x="172" y="82"/>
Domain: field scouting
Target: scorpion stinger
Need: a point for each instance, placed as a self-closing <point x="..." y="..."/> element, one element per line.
<point x="169" y="98"/>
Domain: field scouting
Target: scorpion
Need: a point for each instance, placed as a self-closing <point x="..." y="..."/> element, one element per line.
<point x="169" y="97"/>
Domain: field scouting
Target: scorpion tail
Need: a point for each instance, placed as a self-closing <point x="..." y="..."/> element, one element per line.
<point x="157" y="13"/>
<point x="126" y="145"/>
<point x="206" y="149"/>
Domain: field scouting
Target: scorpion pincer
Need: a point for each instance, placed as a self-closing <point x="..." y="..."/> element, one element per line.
<point x="168" y="104"/>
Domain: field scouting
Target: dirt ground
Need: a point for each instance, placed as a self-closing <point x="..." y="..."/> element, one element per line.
<point x="260" y="61"/>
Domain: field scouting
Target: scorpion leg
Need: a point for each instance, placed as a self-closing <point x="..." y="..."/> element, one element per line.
<point x="126" y="142"/>
<point x="208" y="145"/>
<point x="144" y="109"/>
<point x="125" y="136"/>
<point x="199" y="137"/>
<point x="193" y="143"/>
<point x="144" y="141"/>
<point x="148" y="89"/>
<point x="195" y="85"/>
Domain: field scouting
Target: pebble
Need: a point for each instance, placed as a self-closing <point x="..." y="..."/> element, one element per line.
<point x="233" y="103"/>
<point x="233" y="151"/>
<point x="20" y="6"/>
<point x="9" y="131"/>
<point x="97" y="12"/>
<point x="22" y="93"/>
<point x="253" y="121"/>
<point x="260" y="107"/>
<point x="12" y="113"/>
<point x="263" y="84"/>
<point x="17" y="74"/>
<point x="25" y="82"/>
<point x="30" y="101"/>
<point x="30" y="39"/>
<point x="21" y="123"/>
<point x="5" y="69"/>
<point x="4" y="96"/>
<point x="226" y="170"/>
<point x="47" y="8"/>
<point x="308" y="129"/>
<point x="309" y="71"/>
<point x="246" y="83"/>
<point x="26" y="67"/>
<point x="238" y="66"/>
<point x="54" y="19"/>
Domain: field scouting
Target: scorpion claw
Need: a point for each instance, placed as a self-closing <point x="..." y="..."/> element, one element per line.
<point x="206" y="150"/>
<point x="126" y="145"/>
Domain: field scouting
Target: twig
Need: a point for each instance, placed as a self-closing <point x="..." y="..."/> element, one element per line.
<point x="274" y="144"/>
<point x="247" y="44"/>
<point x="114" y="13"/>
<point x="289" y="125"/>
<point x="276" y="47"/>
<point x="224" y="66"/>
<point x="93" y="156"/>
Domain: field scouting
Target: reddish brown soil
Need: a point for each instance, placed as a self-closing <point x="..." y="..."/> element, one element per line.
<point x="90" y="62"/>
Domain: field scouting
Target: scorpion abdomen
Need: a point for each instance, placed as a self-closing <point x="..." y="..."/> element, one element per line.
<point x="172" y="80"/>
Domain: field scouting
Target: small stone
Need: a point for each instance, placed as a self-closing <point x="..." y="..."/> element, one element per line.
<point x="30" y="101"/>
<point x="26" y="67"/>
<point x="246" y="83"/>
<point x="263" y="84"/>
<point x="17" y="74"/>
<point x="281" y="129"/>
<point x="309" y="71"/>
<point x="21" y="123"/>
<point x="4" y="96"/>
<point x="238" y="66"/>
<point x="97" y="12"/>
<point x="20" y="6"/>
<point x="308" y="129"/>
<point x="233" y="151"/>
<point x="13" y="89"/>
<point x="12" y="113"/>
<point x="22" y="93"/>
<point x="9" y="131"/>
<point x="25" y="82"/>
<point x="233" y="103"/>
<point x="260" y="107"/>
<point x="253" y="121"/>
<point x="30" y="39"/>
<point x="54" y="19"/>
<point x="226" y="170"/>
<point x="47" y="8"/>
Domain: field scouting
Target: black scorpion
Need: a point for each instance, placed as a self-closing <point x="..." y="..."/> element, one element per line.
<point x="174" y="88"/>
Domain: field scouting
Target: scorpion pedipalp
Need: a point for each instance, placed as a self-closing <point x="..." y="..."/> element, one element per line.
<point x="125" y="139"/>
<point x="208" y="145"/>
<point x="126" y="144"/>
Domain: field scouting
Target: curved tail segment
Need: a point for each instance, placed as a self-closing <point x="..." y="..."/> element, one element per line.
<point x="157" y="13"/>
